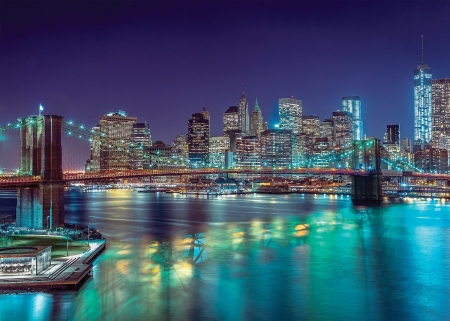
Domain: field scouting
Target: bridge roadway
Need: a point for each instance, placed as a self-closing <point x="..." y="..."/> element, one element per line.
<point x="10" y="182"/>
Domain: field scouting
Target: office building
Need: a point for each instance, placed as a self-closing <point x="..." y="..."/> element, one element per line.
<point x="218" y="147"/>
<point x="243" y="117"/>
<point x="441" y="113"/>
<point x="248" y="152"/>
<point x="343" y="128"/>
<point x="141" y="139"/>
<point x="290" y="113"/>
<point x="392" y="135"/>
<point x="352" y="105"/>
<point x="115" y="139"/>
<point x="422" y="104"/>
<point x="276" y="148"/>
<point x="231" y="119"/>
<point x="257" y="121"/>
<point x="198" y="140"/>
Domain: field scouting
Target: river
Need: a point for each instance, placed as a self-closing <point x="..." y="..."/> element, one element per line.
<point x="252" y="257"/>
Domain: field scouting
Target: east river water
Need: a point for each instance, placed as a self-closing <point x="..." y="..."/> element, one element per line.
<point x="173" y="257"/>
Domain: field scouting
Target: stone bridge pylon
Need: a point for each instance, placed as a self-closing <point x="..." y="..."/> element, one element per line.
<point x="41" y="154"/>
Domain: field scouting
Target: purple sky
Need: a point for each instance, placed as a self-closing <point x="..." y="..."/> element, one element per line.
<point x="163" y="61"/>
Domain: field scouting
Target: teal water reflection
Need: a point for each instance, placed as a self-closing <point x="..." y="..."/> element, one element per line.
<point x="254" y="257"/>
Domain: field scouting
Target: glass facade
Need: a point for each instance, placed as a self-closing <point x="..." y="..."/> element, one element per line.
<point x="248" y="152"/>
<point x="231" y="119"/>
<point x="422" y="104"/>
<point x="441" y="113"/>
<point x="290" y="112"/>
<point x="218" y="147"/>
<point x="243" y="119"/>
<point x="352" y="105"/>
<point x="24" y="260"/>
<point x="276" y="148"/>
<point x="198" y="140"/>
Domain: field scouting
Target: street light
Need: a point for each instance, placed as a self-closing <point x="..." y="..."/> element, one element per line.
<point x="89" y="231"/>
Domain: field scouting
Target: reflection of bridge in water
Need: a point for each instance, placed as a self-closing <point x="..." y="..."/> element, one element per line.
<point x="40" y="180"/>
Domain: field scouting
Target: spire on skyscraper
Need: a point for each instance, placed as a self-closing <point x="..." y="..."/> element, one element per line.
<point x="243" y="97"/>
<point x="422" y="49"/>
<point x="257" y="106"/>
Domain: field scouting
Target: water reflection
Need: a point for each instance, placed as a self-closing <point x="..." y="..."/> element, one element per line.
<point x="254" y="258"/>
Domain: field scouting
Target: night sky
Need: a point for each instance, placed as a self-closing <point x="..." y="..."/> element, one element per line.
<point x="163" y="61"/>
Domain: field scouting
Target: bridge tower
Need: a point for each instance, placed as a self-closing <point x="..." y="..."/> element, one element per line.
<point x="366" y="187"/>
<point x="41" y="154"/>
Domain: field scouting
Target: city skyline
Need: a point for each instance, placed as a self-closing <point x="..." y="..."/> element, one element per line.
<point x="78" y="57"/>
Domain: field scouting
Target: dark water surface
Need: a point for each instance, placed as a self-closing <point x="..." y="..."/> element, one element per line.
<point x="250" y="258"/>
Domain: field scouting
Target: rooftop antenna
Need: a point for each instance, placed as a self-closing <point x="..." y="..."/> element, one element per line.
<point x="422" y="49"/>
<point x="41" y="109"/>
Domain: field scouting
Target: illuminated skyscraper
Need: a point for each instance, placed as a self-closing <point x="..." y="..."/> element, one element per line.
<point x="257" y="121"/>
<point x="352" y="105"/>
<point x="311" y="129"/>
<point x="93" y="164"/>
<point x="290" y="112"/>
<point x="343" y="128"/>
<point x="248" y="152"/>
<point x="393" y="134"/>
<point x="276" y="148"/>
<point x="243" y="118"/>
<point x="422" y="103"/>
<point x="218" y="147"/>
<point x="441" y="113"/>
<point x="115" y="138"/>
<point x="180" y="149"/>
<point x="231" y="119"/>
<point x="141" y="139"/>
<point x="198" y="140"/>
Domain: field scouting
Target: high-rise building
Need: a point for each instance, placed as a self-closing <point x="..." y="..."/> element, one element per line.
<point x="198" y="140"/>
<point x="218" y="146"/>
<point x="406" y="145"/>
<point x="290" y="113"/>
<point x="231" y="119"/>
<point x="343" y="128"/>
<point x="321" y="153"/>
<point x="243" y="118"/>
<point x="393" y="134"/>
<point x="326" y="130"/>
<point x="115" y="138"/>
<point x="93" y="163"/>
<point x="248" y="152"/>
<point x="141" y="139"/>
<point x="432" y="159"/>
<point x="160" y="155"/>
<point x="422" y="103"/>
<point x="352" y="105"/>
<point x="276" y="148"/>
<point x="441" y="113"/>
<point x="311" y="129"/>
<point x="257" y="121"/>
<point x="180" y="149"/>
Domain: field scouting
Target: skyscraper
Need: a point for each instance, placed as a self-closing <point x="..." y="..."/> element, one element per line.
<point x="115" y="138"/>
<point x="393" y="134"/>
<point x="243" y="118"/>
<point x="441" y="113"/>
<point x="311" y="129"/>
<point x="257" y="121"/>
<point x="248" y="152"/>
<point x="198" y="140"/>
<point x="422" y="104"/>
<point x="141" y="139"/>
<point x="290" y="112"/>
<point x="218" y="146"/>
<point x="276" y="148"/>
<point x="352" y="105"/>
<point x="343" y="128"/>
<point x="231" y="119"/>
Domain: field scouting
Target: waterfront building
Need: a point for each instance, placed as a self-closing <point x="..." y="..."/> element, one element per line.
<point x="422" y="104"/>
<point x="231" y="119"/>
<point x="276" y="148"/>
<point x="160" y="156"/>
<point x="321" y="153"/>
<point x="93" y="163"/>
<point x="326" y="130"/>
<point x="115" y="138"/>
<point x="257" y="121"/>
<point x="441" y="113"/>
<point x="218" y="147"/>
<point x="343" y="128"/>
<point x="140" y="140"/>
<point x="352" y="105"/>
<point x="311" y="129"/>
<point x="290" y="113"/>
<point x="243" y="117"/>
<point x="248" y="152"/>
<point x="432" y="160"/>
<point x="198" y="140"/>
<point x="180" y="149"/>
